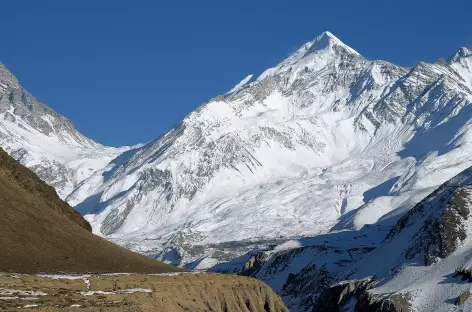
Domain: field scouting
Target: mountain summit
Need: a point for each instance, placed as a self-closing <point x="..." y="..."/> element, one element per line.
<point x="324" y="48"/>
<point x="328" y="40"/>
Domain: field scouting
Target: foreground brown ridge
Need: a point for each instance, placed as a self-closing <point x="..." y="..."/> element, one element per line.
<point x="40" y="233"/>
<point x="178" y="293"/>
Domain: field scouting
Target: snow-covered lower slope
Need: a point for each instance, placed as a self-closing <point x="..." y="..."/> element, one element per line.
<point x="424" y="263"/>
<point x="300" y="270"/>
<point x="325" y="139"/>
<point x="45" y="141"/>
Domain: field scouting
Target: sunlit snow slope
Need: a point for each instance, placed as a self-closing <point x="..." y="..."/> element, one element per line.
<point x="325" y="139"/>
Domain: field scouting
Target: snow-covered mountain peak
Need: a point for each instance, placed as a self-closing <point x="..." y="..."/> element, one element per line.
<point x="327" y="34"/>
<point x="327" y="39"/>
<point x="315" y="54"/>
<point x="322" y="50"/>
<point x="326" y="44"/>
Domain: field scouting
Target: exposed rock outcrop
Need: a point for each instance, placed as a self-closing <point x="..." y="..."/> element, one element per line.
<point x="444" y="214"/>
<point x="462" y="298"/>
<point x="354" y="295"/>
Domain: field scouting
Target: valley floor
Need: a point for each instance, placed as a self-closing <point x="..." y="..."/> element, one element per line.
<point x="136" y="292"/>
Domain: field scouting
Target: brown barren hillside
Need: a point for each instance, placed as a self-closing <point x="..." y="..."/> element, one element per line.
<point x="40" y="233"/>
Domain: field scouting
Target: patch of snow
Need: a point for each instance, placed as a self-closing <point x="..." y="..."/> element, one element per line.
<point x="117" y="292"/>
<point x="8" y="291"/>
<point x="87" y="283"/>
<point x="66" y="276"/>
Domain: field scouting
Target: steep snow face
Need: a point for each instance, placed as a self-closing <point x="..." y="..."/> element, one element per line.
<point x="45" y="141"/>
<point x="324" y="139"/>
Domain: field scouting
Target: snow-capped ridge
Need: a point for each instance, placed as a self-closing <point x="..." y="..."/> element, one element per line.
<point x="241" y="84"/>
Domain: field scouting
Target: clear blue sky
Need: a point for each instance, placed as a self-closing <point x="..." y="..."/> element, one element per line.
<point x="126" y="71"/>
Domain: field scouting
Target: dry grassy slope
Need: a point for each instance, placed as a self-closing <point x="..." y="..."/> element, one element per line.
<point x="31" y="183"/>
<point x="41" y="233"/>
<point x="185" y="292"/>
